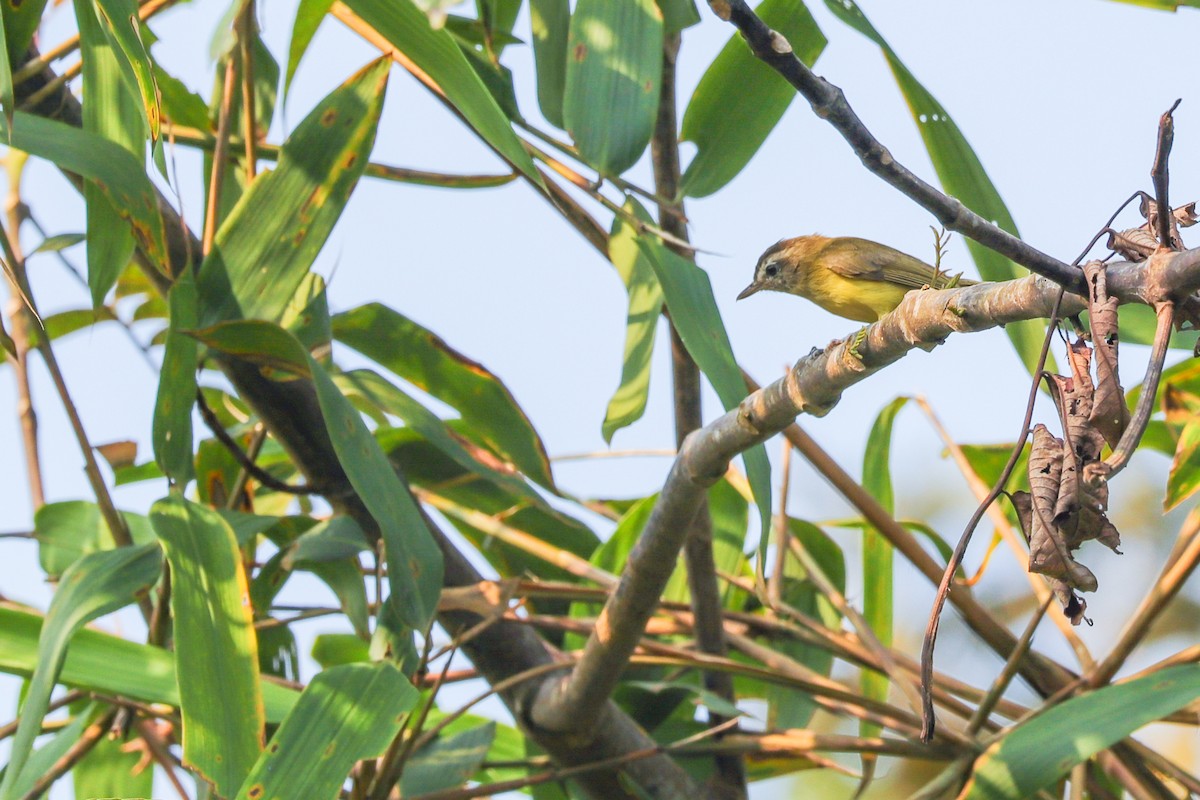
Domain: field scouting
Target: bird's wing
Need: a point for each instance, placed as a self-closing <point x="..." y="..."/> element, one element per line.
<point x="864" y="260"/>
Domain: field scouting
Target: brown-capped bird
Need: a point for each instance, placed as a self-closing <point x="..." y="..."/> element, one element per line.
<point x="854" y="278"/>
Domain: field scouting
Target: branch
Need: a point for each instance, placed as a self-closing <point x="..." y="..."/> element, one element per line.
<point x="829" y="103"/>
<point x="814" y="385"/>
<point x="292" y="415"/>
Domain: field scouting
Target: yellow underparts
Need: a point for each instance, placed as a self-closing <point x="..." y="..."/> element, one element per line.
<point x="853" y="298"/>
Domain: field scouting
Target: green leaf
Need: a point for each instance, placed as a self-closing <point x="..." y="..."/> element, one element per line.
<point x="172" y="430"/>
<point x="119" y="174"/>
<point x="110" y="770"/>
<point x="1036" y="754"/>
<point x="110" y="665"/>
<point x="97" y="584"/>
<point x="789" y="707"/>
<point x="878" y="571"/>
<point x="614" y="76"/>
<point x="124" y="29"/>
<point x="69" y="530"/>
<point x="57" y="243"/>
<point x="309" y="16"/>
<point x="740" y="100"/>
<point x="264" y="249"/>
<point x="345" y="579"/>
<point x="414" y="560"/>
<point x="550" y="21"/>
<point x="425" y="464"/>
<point x="332" y="649"/>
<point x="425" y="360"/>
<point x="961" y="174"/>
<point x="693" y="308"/>
<point x="43" y="759"/>
<point x="1184" y="478"/>
<point x="389" y="398"/>
<point x="112" y="111"/>
<point x="216" y="652"/>
<point x="437" y="54"/>
<point x="18" y="21"/>
<point x="334" y="539"/>
<point x="259" y="342"/>
<point x="447" y="761"/>
<point x="348" y="713"/>
<point x="678" y="14"/>
<point x="628" y="403"/>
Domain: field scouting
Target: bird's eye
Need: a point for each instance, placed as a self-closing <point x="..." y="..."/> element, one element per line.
<point x="771" y="270"/>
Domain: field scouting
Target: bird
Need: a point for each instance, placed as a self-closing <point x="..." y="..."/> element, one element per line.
<point x="854" y="278"/>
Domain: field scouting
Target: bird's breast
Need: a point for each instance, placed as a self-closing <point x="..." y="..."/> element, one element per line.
<point x="853" y="298"/>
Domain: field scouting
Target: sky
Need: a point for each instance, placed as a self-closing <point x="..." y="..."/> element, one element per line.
<point x="1060" y="101"/>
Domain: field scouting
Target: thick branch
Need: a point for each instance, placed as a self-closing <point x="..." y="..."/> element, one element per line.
<point x="292" y="415"/>
<point x="814" y="385"/>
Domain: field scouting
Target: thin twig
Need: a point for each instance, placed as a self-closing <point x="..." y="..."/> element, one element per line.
<point x="939" y="602"/>
<point x="217" y="179"/>
<point x="829" y="103"/>
<point x="1016" y="543"/>
<point x="245" y="30"/>
<point x="1160" y="175"/>
<point x="246" y="462"/>
<point x="998" y="687"/>
<point x="1175" y="572"/>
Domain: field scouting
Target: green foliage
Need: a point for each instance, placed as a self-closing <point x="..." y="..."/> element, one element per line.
<point x="385" y="487"/>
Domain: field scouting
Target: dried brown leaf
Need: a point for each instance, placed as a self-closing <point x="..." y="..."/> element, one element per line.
<point x="1135" y="244"/>
<point x="1049" y="553"/>
<point x="1109" y="413"/>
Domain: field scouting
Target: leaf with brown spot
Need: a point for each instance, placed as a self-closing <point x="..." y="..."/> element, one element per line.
<point x="264" y="249"/>
<point x="1109" y="414"/>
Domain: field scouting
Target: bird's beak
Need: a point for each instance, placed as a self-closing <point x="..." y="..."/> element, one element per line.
<point x="749" y="290"/>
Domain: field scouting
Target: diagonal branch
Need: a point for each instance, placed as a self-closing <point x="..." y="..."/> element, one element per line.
<point x="292" y="415"/>
<point x="829" y="103"/>
<point x="814" y="385"/>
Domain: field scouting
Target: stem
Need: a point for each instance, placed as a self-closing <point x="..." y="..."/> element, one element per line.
<point x="698" y="548"/>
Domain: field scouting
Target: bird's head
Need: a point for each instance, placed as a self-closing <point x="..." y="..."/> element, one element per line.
<point x="784" y="265"/>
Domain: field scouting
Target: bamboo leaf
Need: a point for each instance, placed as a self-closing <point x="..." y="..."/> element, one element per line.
<point x="172" y="429"/>
<point x="614" y="76"/>
<point x="628" y="403"/>
<point x="120" y="176"/>
<point x="437" y="54"/>
<point x="414" y="560"/>
<point x="550" y="21"/>
<point x="447" y="761"/>
<point x="961" y="174"/>
<point x="794" y="708"/>
<point x="1184" y="479"/>
<point x="425" y="360"/>
<point x="110" y="665"/>
<point x="348" y="713"/>
<point x="112" y="111"/>
<point x="95" y="585"/>
<point x="259" y="342"/>
<point x="693" y="308"/>
<point x="264" y="249"/>
<point x="69" y="530"/>
<point x="216" y="651"/>
<point x="124" y="28"/>
<point x="878" y="571"/>
<point x="1036" y="754"/>
<point x="740" y="100"/>
<point x="309" y="15"/>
